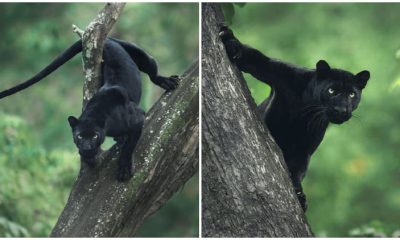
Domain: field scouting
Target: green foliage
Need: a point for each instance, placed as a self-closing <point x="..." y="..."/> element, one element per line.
<point x="34" y="183"/>
<point x="11" y="229"/>
<point x="353" y="177"/>
<point x="373" y="229"/>
<point x="229" y="11"/>
<point x="396" y="82"/>
<point x="38" y="161"/>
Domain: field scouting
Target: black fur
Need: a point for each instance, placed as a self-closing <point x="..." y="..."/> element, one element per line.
<point x="114" y="110"/>
<point x="302" y="102"/>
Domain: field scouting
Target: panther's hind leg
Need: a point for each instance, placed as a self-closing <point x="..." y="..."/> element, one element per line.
<point x="148" y="64"/>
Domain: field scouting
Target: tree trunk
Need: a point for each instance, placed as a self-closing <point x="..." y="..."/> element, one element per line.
<point x="246" y="189"/>
<point x="164" y="159"/>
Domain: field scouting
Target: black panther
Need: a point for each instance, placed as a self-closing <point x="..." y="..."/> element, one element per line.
<point x="302" y="102"/>
<point x="114" y="110"/>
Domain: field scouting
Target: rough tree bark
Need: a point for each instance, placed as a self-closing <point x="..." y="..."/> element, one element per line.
<point x="246" y="190"/>
<point x="164" y="159"/>
<point x="92" y="46"/>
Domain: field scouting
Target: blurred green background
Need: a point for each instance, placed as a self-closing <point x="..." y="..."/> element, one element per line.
<point x="353" y="183"/>
<point x="38" y="161"/>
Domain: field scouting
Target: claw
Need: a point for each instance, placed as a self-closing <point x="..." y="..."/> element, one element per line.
<point x="302" y="199"/>
<point x="237" y="55"/>
<point x="223" y="27"/>
<point x="172" y="82"/>
<point x="225" y="32"/>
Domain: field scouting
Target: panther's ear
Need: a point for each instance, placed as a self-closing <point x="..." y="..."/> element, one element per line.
<point x="322" y="67"/>
<point x="73" y="121"/>
<point x="362" y="78"/>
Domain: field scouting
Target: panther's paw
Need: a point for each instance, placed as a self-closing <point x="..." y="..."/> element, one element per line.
<point x="225" y="33"/>
<point x="302" y="199"/>
<point x="169" y="83"/>
<point x="233" y="47"/>
<point x="124" y="174"/>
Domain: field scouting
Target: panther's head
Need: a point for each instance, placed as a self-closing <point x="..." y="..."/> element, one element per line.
<point x="337" y="92"/>
<point x="88" y="136"/>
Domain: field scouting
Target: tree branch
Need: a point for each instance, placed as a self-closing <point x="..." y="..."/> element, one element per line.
<point x="246" y="190"/>
<point x="164" y="159"/>
<point x="92" y="46"/>
<point x="77" y="30"/>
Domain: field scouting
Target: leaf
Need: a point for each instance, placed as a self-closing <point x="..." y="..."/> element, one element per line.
<point x="398" y="54"/>
<point x="240" y="4"/>
<point x="12" y="229"/>
<point x="229" y="11"/>
<point x="395" y="84"/>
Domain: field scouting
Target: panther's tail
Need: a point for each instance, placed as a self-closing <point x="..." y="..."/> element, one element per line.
<point x="59" y="61"/>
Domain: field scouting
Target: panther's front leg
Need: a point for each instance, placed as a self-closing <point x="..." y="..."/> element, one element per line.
<point x="124" y="164"/>
<point x="297" y="162"/>
<point x="302" y="198"/>
<point x="299" y="192"/>
<point x="91" y="162"/>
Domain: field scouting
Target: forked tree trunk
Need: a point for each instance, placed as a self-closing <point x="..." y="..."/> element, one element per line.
<point x="246" y="190"/>
<point x="164" y="159"/>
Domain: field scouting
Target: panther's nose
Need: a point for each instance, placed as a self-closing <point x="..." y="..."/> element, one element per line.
<point x="341" y="111"/>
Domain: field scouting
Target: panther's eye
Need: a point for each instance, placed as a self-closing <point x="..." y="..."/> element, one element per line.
<point x="352" y="95"/>
<point x="79" y="136"/>
<point x="331" y="91"/>
<point x="95" y="136"/>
